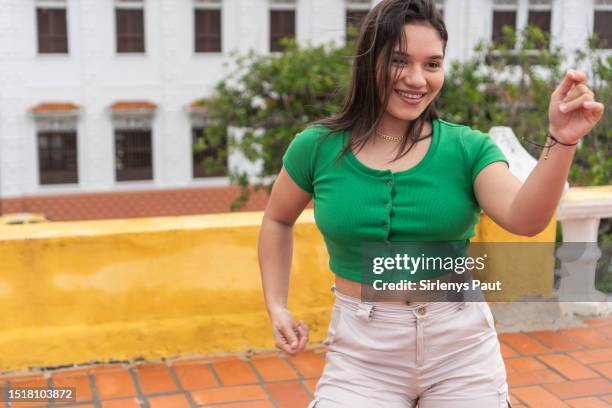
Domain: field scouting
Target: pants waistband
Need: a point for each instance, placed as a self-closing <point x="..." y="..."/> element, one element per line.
<point x="391" y="311"/>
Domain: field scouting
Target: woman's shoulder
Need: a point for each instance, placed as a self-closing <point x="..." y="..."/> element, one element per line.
<point x="465" y="134"/>
<point x="316" y="136"/>
<point x="317" y="133"/>
<point x="314" y="141"/>
<point x="457" y="128"/>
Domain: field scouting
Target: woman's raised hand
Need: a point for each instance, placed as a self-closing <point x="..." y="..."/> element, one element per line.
<point x="573" y="111"/>
<point x="289" y="336"/>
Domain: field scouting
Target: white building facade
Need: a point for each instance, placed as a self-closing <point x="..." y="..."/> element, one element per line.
<point x="90" y="87"/>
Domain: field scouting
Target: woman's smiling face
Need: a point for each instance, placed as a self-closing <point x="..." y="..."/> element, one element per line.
<point x="416" y="72"/>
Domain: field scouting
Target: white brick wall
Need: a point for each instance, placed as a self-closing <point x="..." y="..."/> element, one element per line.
<point x="168" y="74"/>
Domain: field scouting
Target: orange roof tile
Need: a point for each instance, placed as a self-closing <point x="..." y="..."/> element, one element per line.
<point x="46" y="107"/>
<point x="198" y="104"/>
<point x="132" y="105"/>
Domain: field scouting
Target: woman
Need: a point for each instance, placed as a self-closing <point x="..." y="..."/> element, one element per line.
<point x="387" y="170"/>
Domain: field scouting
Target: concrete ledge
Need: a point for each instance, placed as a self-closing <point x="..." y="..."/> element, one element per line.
<point x="74" y="292"/>
<point x="96" y="290"/>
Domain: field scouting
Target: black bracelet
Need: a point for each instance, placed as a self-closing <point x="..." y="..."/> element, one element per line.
<point x="548" y="146"/>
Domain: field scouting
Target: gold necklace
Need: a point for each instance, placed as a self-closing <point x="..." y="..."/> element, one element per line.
<point x="387" y="137"/>
<point x="396" y="138"/>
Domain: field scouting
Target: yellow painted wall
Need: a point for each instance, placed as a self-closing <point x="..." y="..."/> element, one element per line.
<point x="72" y="292"/>
<point x="524" y="265"/>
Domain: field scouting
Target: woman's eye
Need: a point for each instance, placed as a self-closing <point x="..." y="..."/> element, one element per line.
<point x="399" y="61"/>
<point x="433" y="65"/>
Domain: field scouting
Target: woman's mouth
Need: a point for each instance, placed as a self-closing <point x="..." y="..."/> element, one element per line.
<point x="410" y="97"/>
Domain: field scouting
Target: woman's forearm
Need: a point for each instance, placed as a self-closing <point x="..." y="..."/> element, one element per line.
<point x="538" y="198"/>
<point x="275" y="251"/>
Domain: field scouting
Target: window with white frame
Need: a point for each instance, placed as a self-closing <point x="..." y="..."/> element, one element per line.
<point x="602" y="23"/>
<point x="356" y="10"/>
<point x="517" y="14"/>
<point x="209" y="157"/>
<point x="52" y="26"/>
<point x="132" y="122"/>
<point x="207" y="25"/>
<point x="539" y="15"/>
<point x="130" y="26"/>
<point x="282" y="23"/>
<point x="56" y="139"/>
<point x="504" y="14"/>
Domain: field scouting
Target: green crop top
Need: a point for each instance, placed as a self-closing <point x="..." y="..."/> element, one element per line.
<point x="355" y="204"/>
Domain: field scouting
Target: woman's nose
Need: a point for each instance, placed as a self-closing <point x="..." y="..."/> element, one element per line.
<point x="414" y="77"/>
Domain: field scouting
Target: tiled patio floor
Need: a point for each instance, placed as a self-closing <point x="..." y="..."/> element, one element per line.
<point x="565" y="368"/>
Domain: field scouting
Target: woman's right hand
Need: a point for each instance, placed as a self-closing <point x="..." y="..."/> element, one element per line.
<point x="289" y="336"/>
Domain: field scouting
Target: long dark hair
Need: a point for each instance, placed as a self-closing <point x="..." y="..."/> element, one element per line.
<point x="362" y="109"/>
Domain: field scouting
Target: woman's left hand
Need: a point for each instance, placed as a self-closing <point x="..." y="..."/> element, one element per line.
<point x="573" y="111"/>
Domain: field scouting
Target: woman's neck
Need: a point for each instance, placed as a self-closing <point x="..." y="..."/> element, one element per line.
<point x="397" y="128"/>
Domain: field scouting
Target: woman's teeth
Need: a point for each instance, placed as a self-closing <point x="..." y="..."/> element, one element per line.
<point x="410" y="95"/>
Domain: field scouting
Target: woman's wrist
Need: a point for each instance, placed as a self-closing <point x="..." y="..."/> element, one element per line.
<point x="274" y="308"/>
<point x="552" y="136"/>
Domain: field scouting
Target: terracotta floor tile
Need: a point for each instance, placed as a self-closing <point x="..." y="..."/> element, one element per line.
<point x="507" y="352"/>
<point x="30" y="404"/>
<point x="513" y="399"/>
<point x="229" y="394"/>
<point x="169" y="401"/>
<point x="121" y="403"/>
<point x="250" y="404"/>
<point x="37" y="380"/>
<point x="554" y="340"/>
<point x="523" y="343"/>
<point x="522" y="364"/>
<point x="593" y="356"/>
<point x="311" y="384"/>
<point x="77" y="380"/>
<point x="586" y="337"/>
<point x="605" y="331"/>
<point x="201" y="360"/>
<point x="580" y="388"/>
<point x="273" y="368"/>
<point x="537" y="363"/>
<point x="538" y="397"/>
<point x="600" y="321"/>
<point x="235" y="372"/>
<point x="195" y="376"/>
<point x="79" y="406"/>
<point x="568" y="367"/>
<point x="107" y="367"/>
<point x="155" y="378"/>
<point x="73" y="371"/>
<point x="603" y="368"/>
<point x="310" y="363"/>
<point x="533" y="378"/>
<point x="590" y="402"/>
<point x="114" y="384"/>
<point x="289" y="394"/>
<point x="31" y="381"/>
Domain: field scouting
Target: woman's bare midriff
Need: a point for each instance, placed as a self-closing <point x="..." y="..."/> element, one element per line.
<point x="353" y="289"/>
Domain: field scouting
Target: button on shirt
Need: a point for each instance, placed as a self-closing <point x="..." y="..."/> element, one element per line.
<point x="355" y="204"/>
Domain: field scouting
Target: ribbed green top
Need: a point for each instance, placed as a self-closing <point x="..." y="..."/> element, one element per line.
<point x="356" y="205"/>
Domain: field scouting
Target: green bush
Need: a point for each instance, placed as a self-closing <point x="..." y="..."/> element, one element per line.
<point x="273" y="97"/>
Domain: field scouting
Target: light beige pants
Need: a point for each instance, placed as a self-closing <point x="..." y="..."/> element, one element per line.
<point x="439" y="355"/>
